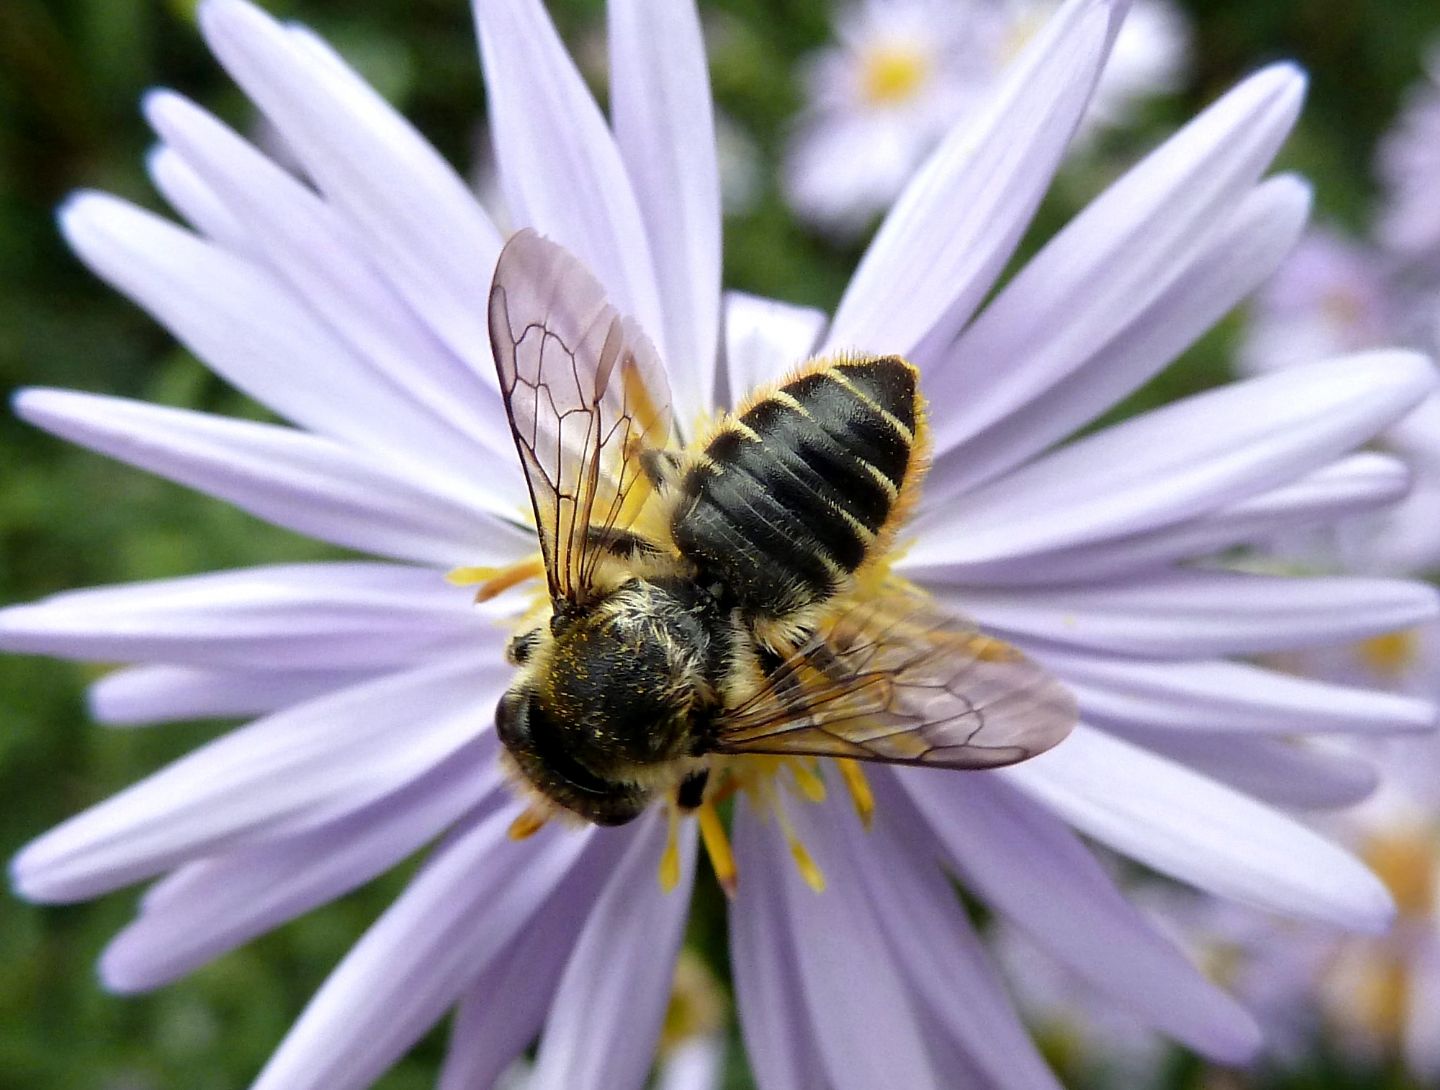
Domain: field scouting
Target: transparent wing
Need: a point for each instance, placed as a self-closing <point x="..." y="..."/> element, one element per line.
<point x="897" y="679"/>
<point x="586" y="396"/>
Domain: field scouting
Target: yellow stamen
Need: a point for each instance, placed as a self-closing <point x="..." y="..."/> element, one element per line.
<point x="530" y="822"/>
<point x="670" y="858"/>
<point x="496" y="581"/>
<point x="717" y="847"/>
<point x="804" y="862"/>
<point x="811" y="785"/>
<point x="893" y="73"/>
<point x="859" y="788"/>
<point x="1392" y="654"/>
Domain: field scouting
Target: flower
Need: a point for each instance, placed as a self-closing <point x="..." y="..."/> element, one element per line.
<point x="1409" y="167"/>
<point x="902" y="72"/>
<point x="351" y="310"/>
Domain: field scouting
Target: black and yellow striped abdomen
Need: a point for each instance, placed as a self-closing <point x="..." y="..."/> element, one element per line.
<point x="792" y="496"/>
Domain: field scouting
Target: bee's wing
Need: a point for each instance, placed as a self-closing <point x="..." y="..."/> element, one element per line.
<point x="586" y="395"/>
<point x="897" y="679"/>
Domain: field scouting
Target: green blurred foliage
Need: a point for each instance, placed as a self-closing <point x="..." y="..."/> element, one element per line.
<point x="71" y="75"/>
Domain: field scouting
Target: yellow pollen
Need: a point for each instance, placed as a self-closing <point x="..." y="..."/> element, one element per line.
<point x="717" y="847"/>
<point x="530" y="822"/>
<point x="859" y="788"/>
<point x="496" y="581"/>
<point x="893" y="73"/>
<point x="670" y="858"/>
<point x="811" y="785"/>
<point x="1392" y="654"/>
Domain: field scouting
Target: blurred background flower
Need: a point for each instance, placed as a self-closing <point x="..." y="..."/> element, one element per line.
<point x="69" y="73"/>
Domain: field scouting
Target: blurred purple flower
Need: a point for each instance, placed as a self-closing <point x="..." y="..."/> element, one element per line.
<point x="352" y="310"/>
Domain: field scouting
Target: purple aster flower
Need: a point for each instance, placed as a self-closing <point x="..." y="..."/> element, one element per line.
<point x="352" y="305"/>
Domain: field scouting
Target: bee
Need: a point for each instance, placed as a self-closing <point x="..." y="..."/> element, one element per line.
<point x="728" y="597"/>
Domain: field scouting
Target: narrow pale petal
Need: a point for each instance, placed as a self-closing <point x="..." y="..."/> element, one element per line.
<point x="949" y="234"/>
<point x="145" y="695"/>
<point x="779" y="1039"/>
<point x="1293" y="773"/>
<point x="1227" y="696"/>
<point x="938" y="950"/>
<point x="1187" y="458"/>
<point x="765" y="338"/>
<point x="1027" y="866"/>
<point x="193" y="198"/>
<point x="422" y="226"/>
<point x="1201" y="832"/>
<point x="326" y="616"/>
<point x="605" y="1022"/>
<point x="313" y="248"/>
<point x="665" y="127"/>
<point x="209" y="299"/>
<point x="504" y="1008"/>
<point x="228" y="900"/>
<point x="302" y="482"/>
<point x="353" y="746"/>
<point x="457" y="916"/>
<point x="560" y="168"/>
<point x="858" y="998"/>
<point x="1352" y="485"/>
<point x="1198" y="614"/>
<point x="1113" y="259"/>
<point x="1078" y="377"/>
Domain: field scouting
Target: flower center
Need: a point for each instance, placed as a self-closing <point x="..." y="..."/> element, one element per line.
<point x="893" y="73"/>
<point x="1391" y="655"/>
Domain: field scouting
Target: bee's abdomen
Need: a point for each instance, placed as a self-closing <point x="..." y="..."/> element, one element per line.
<point x="792" y="496"/>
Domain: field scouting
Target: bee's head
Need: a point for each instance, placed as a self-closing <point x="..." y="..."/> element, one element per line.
<point x="537" y="746"/>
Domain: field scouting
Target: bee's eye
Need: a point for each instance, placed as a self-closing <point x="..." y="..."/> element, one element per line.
<point x="511" y="719"/>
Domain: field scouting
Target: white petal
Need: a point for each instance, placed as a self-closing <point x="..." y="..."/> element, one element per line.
<point x="857" y="999"/>
<point x="223" y="902"/>
<point x="764" y="339"/>
<point x="1352" y="485"/>
<point x="303" y="616"/>
<point x="1098" y="274"/>
<point x="665" y="127"/>
<point x="425" y="231"/>
<point x="694" y="1064"/>
<point x="1187" y="458"/>
<point x="459" y="914"/>
<point x="1227" y="696"/>
<point x="951" y="231"/>
<point x="353" y="746"/>
<point x="1198" y="614"/>
<point x="302" y="482"/>
<point x="504" y="1008"/>
<point x="1085" y="365"/>
<point x="1194" y="829"/>
<point x="779" y="1040"/>
<point x="193" y="198"/>
<point x="210" y="300"/>
<point x="1290" y="773"/>
<point x="311" y="247"/>
<point x="559" y="166"/>
<point x="605" y="1022"/>
<point x="143" y="695"/>
<point x="1030" y="868"/>
<point x="938" y="950"/>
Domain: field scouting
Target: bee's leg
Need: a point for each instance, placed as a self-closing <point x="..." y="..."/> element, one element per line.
<point x="621" y="544"/>
<point x="691" y="792"/>
<point x="661" y="468"/>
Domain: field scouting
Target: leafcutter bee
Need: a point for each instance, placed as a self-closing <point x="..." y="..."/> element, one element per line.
<point x="728" y="597"/>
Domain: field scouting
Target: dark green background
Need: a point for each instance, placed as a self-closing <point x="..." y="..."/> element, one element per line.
<point x="71" y="73"/>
